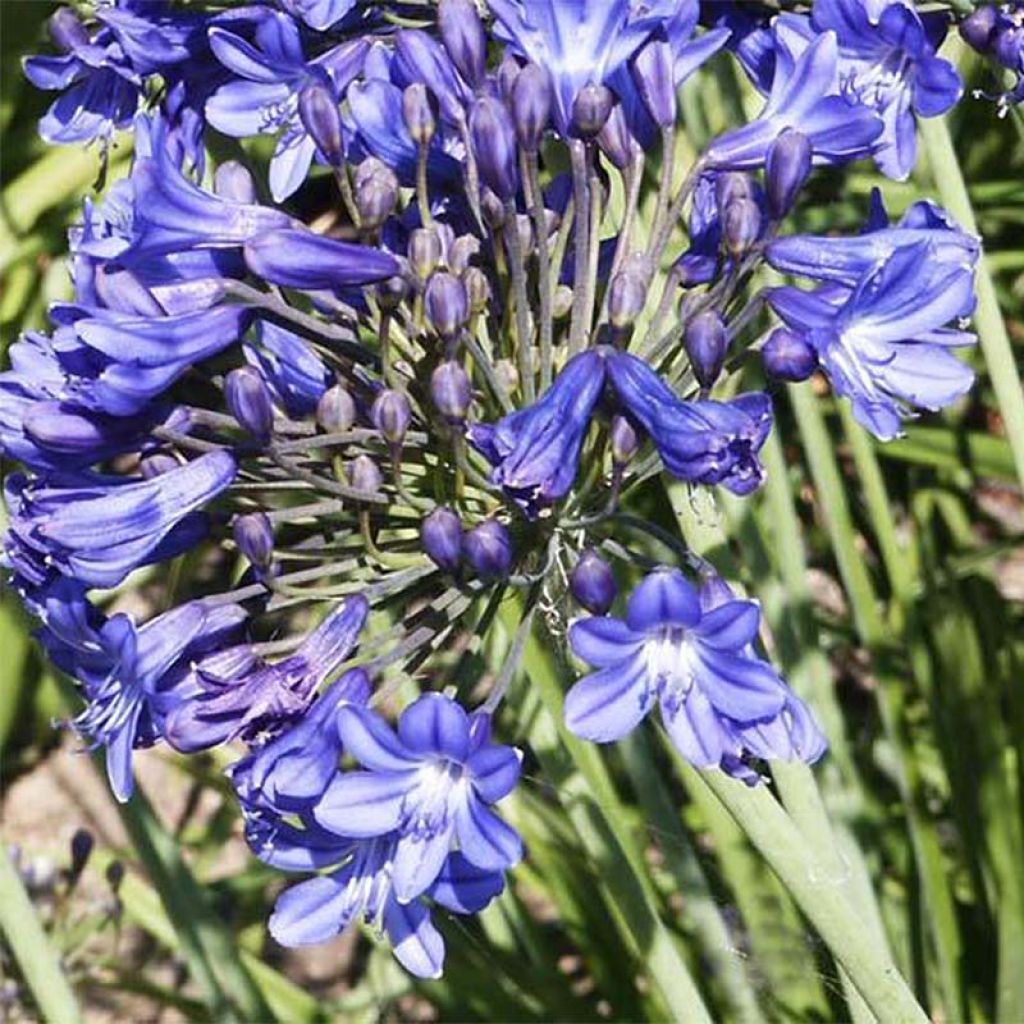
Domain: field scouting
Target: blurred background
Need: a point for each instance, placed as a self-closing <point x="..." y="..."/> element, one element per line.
<point x="892" y="577"/>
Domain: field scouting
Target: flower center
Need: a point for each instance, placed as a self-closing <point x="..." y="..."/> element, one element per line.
<point x="670" y="665"/>
<point x="427" y="806"/>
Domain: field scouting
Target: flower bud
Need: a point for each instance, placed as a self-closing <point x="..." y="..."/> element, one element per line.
<point x="318" y="110"/>
<point x="788" y="355"/>
<point x="446" y="304"/>
<point x="462" y="33"/>
<point x="741" y="225"/>
<point x="233" y="181"/>
<point x="494" y="144"/>
<point x="66" y="30"/>
<point x="508" y="71"/>
<point x="248" y="399"/>
<point x="714" y="591"/>
<point x="652" y="69"/>
<point x="488" y="549"/>
<point x="391" y="293"/>
<point x="731" y="186"/>
<point x="391" y="414"/>
<point x="451" y="391"/>
<point x="364" y="474"/>
<point x="254" y="537"/>
<point x="81" y="849"/>
<point x="591" y="108"/>
<point x="493" y="209"/>
<point x="478" y="290"/>
<point x="978" y="28"/>
<point x="441" y="537"/>
<point x="336" y="410"/>
<point x="157" y="464"/>
<point x="462" y="252"/>
<point x="508" y="374"/>
<point x="418" y="114"/>
<point x="623" y="440"/>
<point x="531" y="105"/>
<point x="369" y="168"/>
<point x="1008" y="47"/>
<point x="592" y="583"/>
<point x="561" y="303"/>
<point x="375" y="202"/>
<point x="616" y="140"/>
<point x="425" y="252"/>
<point x="787" y="168"/>
<point x="627" y="296"/>
<point x="706" y="343"/>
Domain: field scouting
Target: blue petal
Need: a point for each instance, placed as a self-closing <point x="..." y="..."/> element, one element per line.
<point x="311" y="912"/>
<point x="602" y="640"/>
<point x="485" y="839"/>
<point x="697" y="732"/>
<point x="435" y="724"/>
<point x="372" y="742"/>
<point x="417" y="944"/>
<point x="418" y="861"/>
<point x="464" y="888"/>
<point x="741" y="688"/>
<point x="665" y="597"/>
<point x="608" y="704"/>
<point x="730" y="626"/>
<point x="494" y="771"/>
<point x="364" y="804"/>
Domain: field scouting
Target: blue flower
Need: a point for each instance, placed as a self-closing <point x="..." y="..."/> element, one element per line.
<point x="319" y="14"/>
<point x="883" y="343"/>
<point x="695" y="661"/>
<point x="704" y="442"/>
<point x="431" y="784"/>
<point x="295" y="373"/>
<point x="535" y="452"/>
<point x="264" y="99"/>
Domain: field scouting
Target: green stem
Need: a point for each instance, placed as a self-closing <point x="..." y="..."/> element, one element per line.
<point x="37" y="959"/>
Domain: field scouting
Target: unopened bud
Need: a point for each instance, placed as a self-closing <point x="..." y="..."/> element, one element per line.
<point x="375" y="202"/>
<point x="391" y="414"/>
<point x="462" y="33"/>
<point x="392" y="293"/>
<point x="508" y="71"/>
<point x="493" y="209"/>
<point x="732" y="186"/>
<point x="248" y="398"/>
<point x="788" y="355"/>
<point x="254" y="537"/>
<point x="424" y="251"/>
<point x="233" y="181"/>
<point x="462" y="252"/>
<point x="82" y="844"/>
<point x="318" y="110"/>
<point x="369" y="168"/>
<point x="451" y="391"/>
<point x="623" y="440"/>
<point x="561" y="303"/>
<point x="592" y="583"/>
<point x="364" y="474"/>
<point x="616" y="140"/>
<point x="336" y="410"/>
<point x="707" y="342"/>
<point x="478" y="289"/>
<point x="627" y="296"/>
<point x="787" y="168"/>
<point x="418" y="113"/>
<point x="531" y="105"/>
<point x="978" y="28"/>
<point x="653" y="74"/>
<point x="590" y="109"/>
<point x="446" y="304"/>
<point x="494" y="144"/>
<point x="157" y="464"/>
<point x="741" y="225"/>
<point x="1008" y="47"/>
<point x="441" y="537"/>
<point x="488" y="549"/>
<point x="508" y="375"/>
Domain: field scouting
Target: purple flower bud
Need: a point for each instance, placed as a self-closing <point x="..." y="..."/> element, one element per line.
<point x="233" y="181"/>
<point x="786" y="169"/>
<point x="391" y="414"/>
<point x="624" y="440"/>
<point x="508" y="374"/>
<point x="364" y="474"/>
<point x="418" y="113"/>
<point x="446" y="304"/>
<point x="655" y="81"/>
<point x="561" y="304"/>
<point x="375" y="202"/>
<point x="508" y="71"/>
<point x="531" y="105"/>
<point x="441" y="536"/>
<point x="714" y="591"/>
<point x="369" y="168"/>
<point x="249" y="401"/>
<point x="788" y="355"/>
<point x="1008" y="46"/>
<point x="424" y="251"/>
<point x="392" y="292"/>
<point x="66" y="30"/>
<point x="493" y="209"/>
<point x="706" y="343"/>
<point x="451" y="391"/>
<point x="592" y="583"/>
<point x="318" y="110"/>
<point x="616" y="140"/>
<point x="978" y="28"/>
<point x="741" y="225"/>
<point x="627" y="296"/>
<point x="494" y="143"/>
<point x="81" y="849"/>
<point x="591" y="109"/>
<point x="488" y="549"/>
<point x="478" y="289"/>
<point x="462" y="33"/>
<point x="254" y="537"/>
<point x="462" y="252"/>
<point x="731" y="187"/>
<point x="336" y="410"/>
<point x="157" y="464"/>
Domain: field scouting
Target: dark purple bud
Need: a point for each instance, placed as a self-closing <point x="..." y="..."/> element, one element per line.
<point x="478" y="289"/>
<point x="157" y="464"/>
<point x="446" y="304"/>
<point x="494" y="144"/>
<point x="462" y="33"/>
<point x="418" y="113"/>
<point x="655" y="81"/>
<point x="741" y="225"/>
<point x="627" y="296"/>
<point x="441" y="536"/>
<point x="364" y="474"/>
<point x="488" y="549"/>
<point x="714" y="591"/>
<point x="392" y="292"/>
<point x="425" y="251"/>
<point x="531" y="105"/>
<point x="321" y="118"/>
<point x="336" y="410"/>
<point x="249" y="401"/>
<point x="591" y="109"/>
<point x="592" y="583"/>
<point x="731" y="187"/>
<point x="451" y="391"/>
<point x="706" y="342"/>
<point x="462" y="252"/>
<point x="787" y="168"/>
<point x="978" y="28"/>
<point x="616" y="140"/>
<point x="493" y="209"/>
<point x="508" y="71"/>
<point x="81" y="848"/>
<point x="623" y="439"/>
<point x="788" y="355"/>
<point x="233" y="181"/>
<point x="1007" y="47"/>
<point x="375" y="202"/>
<point x="391" y="414"/>
<point x="369" y="168"/>
<point x="66" y="30"/>
<point x="254" y="537"/>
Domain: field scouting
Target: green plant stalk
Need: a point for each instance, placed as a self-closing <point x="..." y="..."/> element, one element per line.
<point x="37" y="959"/>
<point x="785" y="848"/>
<point x="988" y="319"/>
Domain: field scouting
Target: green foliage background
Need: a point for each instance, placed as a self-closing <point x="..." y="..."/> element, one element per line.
<point x="893" y="581"/>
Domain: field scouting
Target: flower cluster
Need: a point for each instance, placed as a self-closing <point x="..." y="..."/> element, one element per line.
<point x="996" y="31"/>
<point x="426" y="376"/>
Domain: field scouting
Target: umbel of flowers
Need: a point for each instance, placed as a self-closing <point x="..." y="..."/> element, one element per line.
<point x="438" y="392"/>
